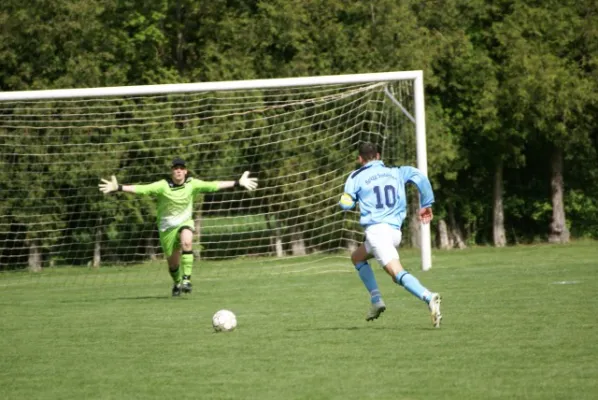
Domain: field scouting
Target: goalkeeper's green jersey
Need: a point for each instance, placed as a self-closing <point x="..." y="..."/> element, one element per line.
<point x="175" y="202"/>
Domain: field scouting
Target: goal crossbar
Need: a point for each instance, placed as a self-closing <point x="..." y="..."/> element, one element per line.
<point x="208" y="86"/>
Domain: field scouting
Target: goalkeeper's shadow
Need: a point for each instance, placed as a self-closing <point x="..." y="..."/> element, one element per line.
<point x="104" y="299"/>
<point x="164" y="297"/>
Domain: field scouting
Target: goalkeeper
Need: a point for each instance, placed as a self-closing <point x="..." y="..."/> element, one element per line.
<point x="175" y="220"/>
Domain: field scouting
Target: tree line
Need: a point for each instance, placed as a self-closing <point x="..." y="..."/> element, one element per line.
<point x="511" y="92"/>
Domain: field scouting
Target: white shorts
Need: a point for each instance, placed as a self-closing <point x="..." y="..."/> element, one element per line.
<point x="382" y="241"/>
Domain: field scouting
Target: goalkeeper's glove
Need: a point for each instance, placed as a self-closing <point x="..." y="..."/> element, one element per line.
<point x="109" y="186"/>
<point x="247" y="182"/>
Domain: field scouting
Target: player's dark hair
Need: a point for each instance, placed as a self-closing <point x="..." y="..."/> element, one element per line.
<point x="368" y="151"/>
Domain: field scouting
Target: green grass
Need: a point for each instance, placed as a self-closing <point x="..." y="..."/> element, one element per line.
<point x="512" y="330"/>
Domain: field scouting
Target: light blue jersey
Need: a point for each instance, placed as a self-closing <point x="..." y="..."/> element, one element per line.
<point x="380" y="191"/>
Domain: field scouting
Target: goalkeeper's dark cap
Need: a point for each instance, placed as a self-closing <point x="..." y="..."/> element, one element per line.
<point x="178" y="162"/>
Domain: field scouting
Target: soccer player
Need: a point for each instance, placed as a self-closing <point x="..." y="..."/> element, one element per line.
<point x="175" y="220"/>
<point x="380" y="192"/>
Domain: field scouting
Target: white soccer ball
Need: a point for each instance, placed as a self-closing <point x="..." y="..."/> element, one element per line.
<point x="224" y="321"/>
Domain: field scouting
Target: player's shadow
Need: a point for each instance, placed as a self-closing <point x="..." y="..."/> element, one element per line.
<point x="343" y="328"/>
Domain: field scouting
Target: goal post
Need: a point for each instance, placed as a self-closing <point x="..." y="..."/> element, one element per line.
<point x="298" y="135"/>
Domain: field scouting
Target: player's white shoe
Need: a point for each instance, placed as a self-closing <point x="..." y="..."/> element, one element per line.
<point x="375" y="311"/>
<point x="434" y="306"/>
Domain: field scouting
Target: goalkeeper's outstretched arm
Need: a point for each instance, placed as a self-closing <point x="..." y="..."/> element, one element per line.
<point x="112" y="185"/>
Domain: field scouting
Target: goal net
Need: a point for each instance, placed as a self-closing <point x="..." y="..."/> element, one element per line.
<point x="298" y="136"/>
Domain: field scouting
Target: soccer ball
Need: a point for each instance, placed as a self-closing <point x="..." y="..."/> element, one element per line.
<point x="224" y="321"/>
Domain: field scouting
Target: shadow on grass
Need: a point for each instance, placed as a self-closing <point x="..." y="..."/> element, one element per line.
<point x="103" y="299"/>
<point x="344" y="328"/>
<point x="164" y="297"/>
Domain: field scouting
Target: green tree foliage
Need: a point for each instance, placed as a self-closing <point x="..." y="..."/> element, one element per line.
<point x="549" y="90"/>
<point x="508" y="85"/>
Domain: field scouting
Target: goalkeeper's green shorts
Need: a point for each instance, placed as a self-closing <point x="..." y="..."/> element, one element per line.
<point x="170" y="240"/>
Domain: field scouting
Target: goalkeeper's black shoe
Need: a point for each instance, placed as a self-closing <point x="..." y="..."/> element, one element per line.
<point x="176" y="289"/>
<point x="187" y="286"/>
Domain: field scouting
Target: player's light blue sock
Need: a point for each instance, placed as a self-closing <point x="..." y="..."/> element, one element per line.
<point x="413" y="286"/>
<point x="369" y="280"/>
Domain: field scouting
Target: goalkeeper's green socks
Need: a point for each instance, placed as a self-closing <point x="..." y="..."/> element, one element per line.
<point x="176" y="274"/>
<point x="187" y="263"/>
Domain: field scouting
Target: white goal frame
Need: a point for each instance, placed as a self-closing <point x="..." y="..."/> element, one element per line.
<point x="418" y="118"/>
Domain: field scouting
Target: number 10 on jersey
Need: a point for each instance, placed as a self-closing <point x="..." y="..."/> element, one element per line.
<point x="387" y="197"/>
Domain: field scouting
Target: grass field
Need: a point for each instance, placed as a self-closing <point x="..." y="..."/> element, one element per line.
<point x="519" y="323"/>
